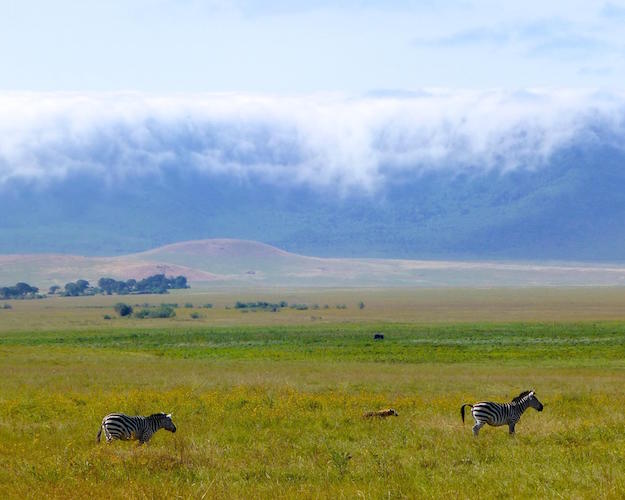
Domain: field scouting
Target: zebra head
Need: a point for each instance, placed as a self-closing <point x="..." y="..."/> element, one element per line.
<point x="165" y="422"/>
<point x="533" y="401"/>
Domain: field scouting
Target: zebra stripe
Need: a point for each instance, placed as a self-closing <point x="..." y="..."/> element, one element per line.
<point x="125" y="427"/>
<point x="497" y="414"/>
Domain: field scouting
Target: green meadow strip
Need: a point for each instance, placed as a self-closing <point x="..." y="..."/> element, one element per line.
<point x="587" y="343"/>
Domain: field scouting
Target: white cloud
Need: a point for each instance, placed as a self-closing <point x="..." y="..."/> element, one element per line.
<point x="320" y="140"/>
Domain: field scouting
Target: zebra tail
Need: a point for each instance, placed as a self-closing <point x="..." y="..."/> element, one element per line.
<point x="462" y="410"/>
<point x="99" y="434"/>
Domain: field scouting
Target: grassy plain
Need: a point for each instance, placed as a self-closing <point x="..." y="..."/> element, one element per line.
<point x="270" y="404"/>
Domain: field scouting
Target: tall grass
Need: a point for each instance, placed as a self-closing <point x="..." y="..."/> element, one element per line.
<point x="263" y="428"/>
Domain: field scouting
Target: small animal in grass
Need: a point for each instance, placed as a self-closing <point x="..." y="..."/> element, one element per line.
<point x="496" y="414"/>
<point x="390" y="412"/>
<point x="121" y="426"/>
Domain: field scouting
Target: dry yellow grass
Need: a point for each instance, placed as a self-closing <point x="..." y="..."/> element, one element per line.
<point x="257" y="429"/>
<point x="381" y="305"/>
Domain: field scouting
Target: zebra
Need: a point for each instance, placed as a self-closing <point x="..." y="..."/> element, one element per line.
<point x="497" y="414"/>
<point x="121" y="426"/>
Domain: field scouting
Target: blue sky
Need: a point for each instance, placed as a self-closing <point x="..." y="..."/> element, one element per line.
<point x="283" y="47"/>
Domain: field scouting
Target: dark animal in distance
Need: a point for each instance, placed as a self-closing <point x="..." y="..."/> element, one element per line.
<point x="381" y="413"/>
<point x="496" y="414"/>
<point x="378" y="336"/>
<point x="125" y="427"/>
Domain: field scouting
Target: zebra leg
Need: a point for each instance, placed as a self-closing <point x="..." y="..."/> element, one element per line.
<point x="477" y="427"/>
<point x="144" y="437"/>
<point x="511" y="428"/>
<point x="108" y="436"/>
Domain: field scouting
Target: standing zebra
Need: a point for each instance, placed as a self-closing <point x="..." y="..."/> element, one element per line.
<point x="497" y="414"/>
<point x="120" y="426"/>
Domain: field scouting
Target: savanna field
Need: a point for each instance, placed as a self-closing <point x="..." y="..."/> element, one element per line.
<point x="270" y="404"/>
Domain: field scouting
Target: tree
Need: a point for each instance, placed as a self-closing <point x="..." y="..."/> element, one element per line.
<point x="179" y="282"/>
<point x="18" y="291"/>
<point x="24" y="288"/>
<point x="71" y="289"/>
<point x="53" y="289"/>
<point x="107" y="284"/>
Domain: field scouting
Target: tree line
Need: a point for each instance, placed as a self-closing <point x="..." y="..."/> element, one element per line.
<point x="157" y="283"/>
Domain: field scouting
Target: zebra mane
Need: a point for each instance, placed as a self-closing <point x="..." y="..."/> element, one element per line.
<point x="520" y="396"/>
<point x="158" y="415"/>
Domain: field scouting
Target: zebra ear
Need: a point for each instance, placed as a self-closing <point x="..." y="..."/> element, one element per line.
<point x="168" y="415"/>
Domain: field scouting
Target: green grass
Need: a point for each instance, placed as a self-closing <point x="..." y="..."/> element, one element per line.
<point x="276" y="410"/>
<point x="556" y="343"/>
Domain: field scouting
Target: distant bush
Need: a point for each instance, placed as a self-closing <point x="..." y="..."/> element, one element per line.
<point x="207" y="306"/>
<point x="7" y="306"/>
<point x="163" y="311"/>
<point x="188" y="305"/>
<point x="195" y="315"/>
<point x="123" y="309"/>
<point x="259" y="306"/>
<point x="299" y="307"/>
<point x="341" y="306"/>
<point x="361" y="305"/>
<point x="106" y="316"/>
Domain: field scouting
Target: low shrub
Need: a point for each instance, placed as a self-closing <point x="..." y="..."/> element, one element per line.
<point x="123" y="309"/>
<point x="163" y="311"/>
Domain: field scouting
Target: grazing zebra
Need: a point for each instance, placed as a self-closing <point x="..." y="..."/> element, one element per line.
<point x="120" y="426"/>
<point x="381" y="413"/>
<point x="497" y="414"/>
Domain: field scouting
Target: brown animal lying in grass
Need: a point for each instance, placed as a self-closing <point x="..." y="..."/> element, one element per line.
<point x="381" y="413"/>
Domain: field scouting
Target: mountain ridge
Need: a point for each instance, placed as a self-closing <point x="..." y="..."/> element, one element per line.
<point x="569" y="210"/>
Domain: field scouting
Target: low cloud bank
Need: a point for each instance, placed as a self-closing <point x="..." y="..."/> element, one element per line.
<point x="319" y="140"/>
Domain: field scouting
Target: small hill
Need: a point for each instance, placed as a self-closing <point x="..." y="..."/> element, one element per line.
<point x="53" y="269"/>
<point x="231" y="262"/>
